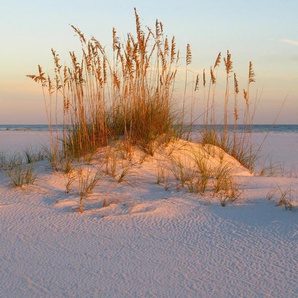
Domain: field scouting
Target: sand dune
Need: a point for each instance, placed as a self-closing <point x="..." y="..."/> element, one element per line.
<point x="137" y="239"/>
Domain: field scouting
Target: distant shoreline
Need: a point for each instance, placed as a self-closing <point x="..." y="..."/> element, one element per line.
<point x="284" y="128"/>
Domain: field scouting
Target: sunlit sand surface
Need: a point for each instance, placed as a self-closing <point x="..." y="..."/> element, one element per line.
<point x="138" y="239"/>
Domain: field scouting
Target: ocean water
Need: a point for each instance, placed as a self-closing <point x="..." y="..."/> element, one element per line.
<point x="256" y="128"/>
<point x="27" y="127"/>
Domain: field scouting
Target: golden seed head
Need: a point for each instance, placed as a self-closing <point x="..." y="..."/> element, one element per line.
<point x="188" y="54"/>
<point x="204" y="77"/>
<point x="217" y="61"/>
<point x="251" y="75"/>
<point x="173" y="49"/>
<point x="236" y="86"/>
<point x="228" y="62"/>
<point x="213" y="78"/>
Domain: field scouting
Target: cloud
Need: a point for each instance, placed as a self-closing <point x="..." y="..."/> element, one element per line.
<point x="290" y="41"/>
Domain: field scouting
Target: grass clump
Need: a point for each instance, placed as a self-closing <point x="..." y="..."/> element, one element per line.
<point x="227" y="136"/>
<point x="30" y="156"/>
<point x="107" y="96"/>
<point x="284" y="198"/>
<point x="201" y="170"/>
<point x="69" y="178"/>
<point x="205" y="173"/>
<point x="125" y="171"/>
<point x="87" y="181"/>
<point x="182" y="172"/>
<point x="21" y="175"/>
<point x="126" y="92"/>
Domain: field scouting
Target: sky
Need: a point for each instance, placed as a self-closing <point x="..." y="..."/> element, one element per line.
<point x="262" y="31"/>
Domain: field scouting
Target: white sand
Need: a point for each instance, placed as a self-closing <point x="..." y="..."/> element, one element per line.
<point x="12" y="142"/>
<point x="148" y="242"/>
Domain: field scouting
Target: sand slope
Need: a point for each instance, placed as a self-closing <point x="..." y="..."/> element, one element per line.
<point x="148" y="241"/>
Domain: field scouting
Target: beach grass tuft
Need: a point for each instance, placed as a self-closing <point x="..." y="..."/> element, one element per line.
<point x="128" y="92"/>
<point x="21" y="175"/>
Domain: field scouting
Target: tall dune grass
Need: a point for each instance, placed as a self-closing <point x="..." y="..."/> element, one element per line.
<point x="128" y="93"/>
<point x="237" y="144"/>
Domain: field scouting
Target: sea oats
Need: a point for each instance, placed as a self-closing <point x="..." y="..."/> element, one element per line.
<point x="218" y="60"/>
<point x="228" y="62"/>
<point x="251" y="74"/>
<point x="188" y="54"/>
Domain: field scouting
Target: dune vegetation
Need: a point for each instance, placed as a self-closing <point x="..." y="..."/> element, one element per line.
<point x="125" y="197"/>
<point x="127" y="97"/>
<point x="121" y="107"/>
<point x="129" y="93"/>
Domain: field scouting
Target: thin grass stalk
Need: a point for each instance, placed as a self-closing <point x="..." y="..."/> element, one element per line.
<point x="188" y="59"/>
<point x="213" y="74"/>
<point x="228" y="66"/>
<point x="236" y="115"/>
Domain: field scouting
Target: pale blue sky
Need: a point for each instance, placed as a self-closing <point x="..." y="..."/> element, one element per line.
<point x="263" y="31"/>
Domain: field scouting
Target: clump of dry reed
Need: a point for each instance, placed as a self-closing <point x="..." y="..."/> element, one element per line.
<point x="21" y="175"/>
<point x="126" y="93"/>
<point x="237" y="144"/>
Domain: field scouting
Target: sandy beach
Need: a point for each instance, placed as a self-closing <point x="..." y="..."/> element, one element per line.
<point x="138" y="238"/>
<point x="148" y="149"/>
